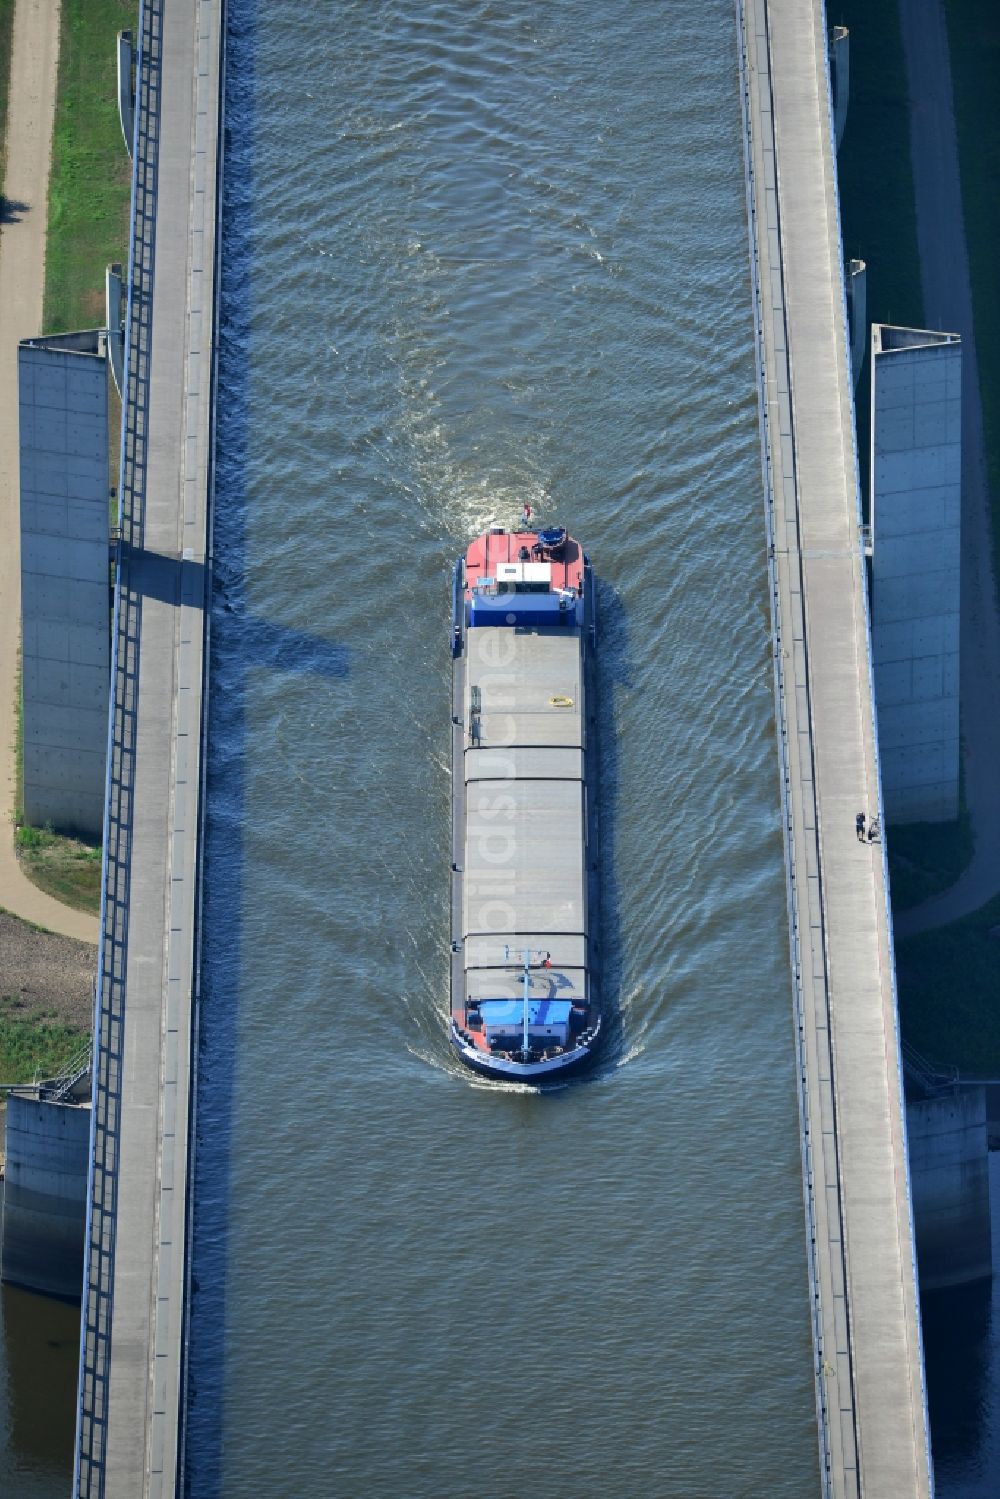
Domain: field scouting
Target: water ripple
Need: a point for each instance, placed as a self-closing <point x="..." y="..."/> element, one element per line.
<point x="477" y="254"/>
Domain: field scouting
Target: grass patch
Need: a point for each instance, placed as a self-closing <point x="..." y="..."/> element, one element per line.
<point x="949" y="992"/>
<point x="878" y="213"/>
<point x="67" y="868"/>
<point x="91" y="173"/>
<point x="19" y="741"/>
<point x="33" y="1044"/>
<point x="974" y="44"/>
<point x="6" y="30"/>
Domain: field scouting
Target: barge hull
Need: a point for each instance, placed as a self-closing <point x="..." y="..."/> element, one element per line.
<point x="524" y="845"/>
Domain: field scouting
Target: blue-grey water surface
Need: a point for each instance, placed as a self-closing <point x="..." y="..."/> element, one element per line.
<point x="476" y="254"/>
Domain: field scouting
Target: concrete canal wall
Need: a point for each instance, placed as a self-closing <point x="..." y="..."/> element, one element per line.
<point x="868" y="1362"/>
<point x="916" y="495"/>
<point x="63" y="400"/>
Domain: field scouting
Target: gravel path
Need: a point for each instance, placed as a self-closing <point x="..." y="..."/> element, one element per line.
<point x="948" y="306"/>
<point x="31" y="107"/>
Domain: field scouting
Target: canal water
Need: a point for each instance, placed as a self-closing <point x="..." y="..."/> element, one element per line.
<point x="477" y="254"/>
<point x="39" y="1358"/>
<point x="961" y="1330"/>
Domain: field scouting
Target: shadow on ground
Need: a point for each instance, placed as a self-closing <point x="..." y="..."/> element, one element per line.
<point x="11" y="210"/>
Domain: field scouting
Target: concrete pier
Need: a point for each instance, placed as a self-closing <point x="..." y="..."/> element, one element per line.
<point x="857" y="315"/>
<point x="916" y="528"/>
<point x="840" y="78"/>
<point x="129" y="1419"/>
<point x="44" y="1200"/>
<point x="63" y="401"/>
<point x="949" y="1163"/>
<point x="869" y="1374"/>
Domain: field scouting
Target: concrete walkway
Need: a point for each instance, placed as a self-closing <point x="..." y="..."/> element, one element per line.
<point x="944" y="268"/>
<point x="870" y="1397"/>
<point x="135" y="1288"/>
<point x="31" y="108"/>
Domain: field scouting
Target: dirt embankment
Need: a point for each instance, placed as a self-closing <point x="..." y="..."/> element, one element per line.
<point x="42" y="974"/>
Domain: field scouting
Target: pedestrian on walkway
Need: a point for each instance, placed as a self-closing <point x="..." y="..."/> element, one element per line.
<point x="859" y="826"/>
<point x="874" y="830"/>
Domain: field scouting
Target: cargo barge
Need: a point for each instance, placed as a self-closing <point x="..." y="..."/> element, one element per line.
<point x="525" y="1000"/>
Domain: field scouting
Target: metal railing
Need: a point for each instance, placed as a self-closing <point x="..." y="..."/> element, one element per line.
<point x="109" y="1011"/>
<point x="55" y="1089"/>
<point x="930" y="1077"/>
